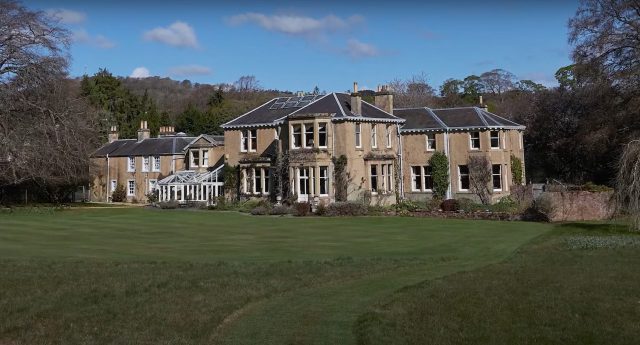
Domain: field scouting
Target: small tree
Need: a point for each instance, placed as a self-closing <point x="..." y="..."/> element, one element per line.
<point x="627" y="193"/>
<point x="440" y="174"/>
<point x="479" y="178"/>
<point x="119" y="194"/>
<point x="516" y="170"/>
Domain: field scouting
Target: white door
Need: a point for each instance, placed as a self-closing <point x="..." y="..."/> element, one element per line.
<point x="303" y="185"/>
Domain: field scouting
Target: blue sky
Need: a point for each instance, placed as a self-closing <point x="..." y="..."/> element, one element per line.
<point x="296" y="45"/>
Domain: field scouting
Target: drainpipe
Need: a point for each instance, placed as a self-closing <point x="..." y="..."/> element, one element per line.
<point x="446" y="152"/>
<point x="106" y="196"/>
<point x="333" y="154"/>
<point x="401" y="177"/>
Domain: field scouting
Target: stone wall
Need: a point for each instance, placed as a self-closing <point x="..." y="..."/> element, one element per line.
<point x="580" y="205"/>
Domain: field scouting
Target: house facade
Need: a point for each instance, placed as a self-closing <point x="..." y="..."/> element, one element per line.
<point x="460" y="133"/>
<point x="140" y="165"/>
<point x="291" y="147"/>
<point x="316" y="148"/>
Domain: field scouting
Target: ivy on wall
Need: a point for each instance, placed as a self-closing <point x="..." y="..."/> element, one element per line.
<point x="340" y="178"/>
<point x="230" y="174"/>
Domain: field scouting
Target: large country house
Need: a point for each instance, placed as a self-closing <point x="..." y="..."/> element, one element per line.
<point x="315" y="148"/>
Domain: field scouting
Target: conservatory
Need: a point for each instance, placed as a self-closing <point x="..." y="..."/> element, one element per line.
<point x="187" y="186"/>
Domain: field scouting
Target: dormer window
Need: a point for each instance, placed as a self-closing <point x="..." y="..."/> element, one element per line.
<point x="205" y="158"/>
<point x="195" y="158"/>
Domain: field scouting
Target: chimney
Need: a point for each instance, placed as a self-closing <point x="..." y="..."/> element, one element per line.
<point x="356" y="100"/>
<point x="113" y="134"/>
<point x="143" y="132"/>
<point x="166" y="131"/>
<point x="383" y="99"/>
<point x="482" y="105"/>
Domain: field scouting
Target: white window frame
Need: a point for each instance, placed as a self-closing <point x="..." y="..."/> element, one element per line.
<point x="256" y="175"/>
<point x="113" y="185"/>
<point x="305" y="132"/>
<point x="192" y="158"/>
<point x="204" y="158"/>
<point x="244" y="143"/>
<point x="305" y="177"/>
<point x="430" y="141"/>
<point x="146" y="164"/>
<point x="491" y="137"/>
<point x="424" y="179"/>
<point x="156" y="163"/>
<point x="251" y="139"/>
<point x="374" y="136"/>
<point x="326" y="134"/>
<point x="358" y="132"/>
<point x="499" y="174"/>
<point x="323" y="179"/>
<point x="460" y="178"/>
<point x="293" y="135"/>
<point x="152" y="182"/>
<point x="390" y="184"/>
<point x="129" y="193"/>
<point x="471" y="139"/>
<point x="131" y="164"/>
<point x="416" y="178"/>
<point x="389" y="129"/>
<point x="371" y="176"/>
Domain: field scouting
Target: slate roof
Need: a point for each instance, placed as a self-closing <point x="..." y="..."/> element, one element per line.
<point x="427" y="119"/>
<point x="169" y="145"/>
<point x="337" y="105"/>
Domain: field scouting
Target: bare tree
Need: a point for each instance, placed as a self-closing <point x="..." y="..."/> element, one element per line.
<point x="30" y="43"/>
<point x="627" y="189"/>
<point x="247" y="83"/>
<point x="480" y="177"/>
<point x="413" y="92"/>
<point x="46" y="129"/>
<point x="607" y="33"/>
<point x="498" y="81"/>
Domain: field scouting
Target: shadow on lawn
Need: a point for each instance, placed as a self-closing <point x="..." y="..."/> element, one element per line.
<point x="602" y="228"/>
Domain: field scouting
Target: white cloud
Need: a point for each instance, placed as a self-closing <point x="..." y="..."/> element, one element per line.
<point x="66" y="16"/>
<point x="140" y="72"/>
<point x="297" y="25"/>
<point x="178" y="34"/>
<point x="357" y="49"/>
<point x="189" y="70"/>
<point x="100" y="41"/>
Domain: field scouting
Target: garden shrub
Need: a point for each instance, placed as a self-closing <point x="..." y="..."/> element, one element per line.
<point x="407" y="205"/>
<point x="119" y="194"/>
<point x="168" y="205"/>
<point x="152" y="197"/>
<point x="516" y="170"/>
<point x="250" y="204"/>
<point x="450" y="205"/>
<point x="302" y="209"/>
<point x="321" y="209"/>
<point x="376" y="210"/>
<point x="440" y="174"/>
<point x="468" y="205"/>
<point x="346" y="208"/>
<point x="260" y="211"/>
<point x="280" y="210"/>
<point x="433" y="204"/>
<point x="505" y="204"/>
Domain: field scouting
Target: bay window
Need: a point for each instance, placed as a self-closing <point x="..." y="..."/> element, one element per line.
<point x="324" y="180"/>
<point x="373" y="178"/>
<point x="308" y="135"/>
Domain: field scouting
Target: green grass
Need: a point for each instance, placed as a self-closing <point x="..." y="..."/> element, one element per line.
<point x="548" y="293"/>
<point x="124" y="276"/>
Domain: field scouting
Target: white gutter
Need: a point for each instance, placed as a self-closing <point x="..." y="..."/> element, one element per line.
<point x="400" y="162"/>
<point x="446" y="152"/>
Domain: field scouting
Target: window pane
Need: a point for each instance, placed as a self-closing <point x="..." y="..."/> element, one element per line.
<point x="266" y="173"/>
<point x="308" y="135"/>
<point x="464" y="176"/>
<point x="297" y="135"/>
<point x="428" y="179"/>
<point x="495" y="139"/>
<point x="253" y="139"/>
<point x="324" y="180"/>
<point x="374" y="178"/>
<point x="322" y="135"/>
<point x="374" y="135"/>
<point x="496" y="171"/>
<point x="475" y="140"/>
<point x="416" y="178"/>
<point x="358" y="135"/>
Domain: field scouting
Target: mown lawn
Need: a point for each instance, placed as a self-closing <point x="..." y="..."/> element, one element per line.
<point x="579" y="284"/>
<point x="123" y="276"/>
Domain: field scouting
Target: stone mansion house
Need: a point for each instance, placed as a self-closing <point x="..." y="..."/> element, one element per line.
<point x="292" y="147"/>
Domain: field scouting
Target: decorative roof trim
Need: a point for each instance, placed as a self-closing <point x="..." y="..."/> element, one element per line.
<point x="339" y="104"/>
<point x="260" y="125"/>
<point x="366" y="119"/>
